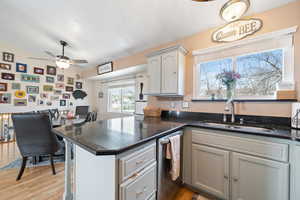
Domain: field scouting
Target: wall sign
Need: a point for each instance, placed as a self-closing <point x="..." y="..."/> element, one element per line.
<point x="105" y="68"/>
<point x="237" y="30"/>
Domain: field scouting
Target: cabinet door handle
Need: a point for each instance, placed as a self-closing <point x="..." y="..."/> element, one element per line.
<point x="235" y="179"/>
<point x="226" y="177"/>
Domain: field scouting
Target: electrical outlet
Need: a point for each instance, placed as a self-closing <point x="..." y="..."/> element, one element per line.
<point x="185" y="104"/>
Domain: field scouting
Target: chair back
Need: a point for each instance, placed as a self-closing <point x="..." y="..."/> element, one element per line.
<point x="34" y="135"/>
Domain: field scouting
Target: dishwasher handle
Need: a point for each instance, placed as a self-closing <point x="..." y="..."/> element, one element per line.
<point x="167" y="140"/>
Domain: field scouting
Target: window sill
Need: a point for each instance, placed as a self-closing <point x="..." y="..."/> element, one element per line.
<point x="246" y="100"/>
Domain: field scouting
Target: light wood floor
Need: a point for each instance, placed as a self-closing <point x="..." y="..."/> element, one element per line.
<point x="38" y="183"/>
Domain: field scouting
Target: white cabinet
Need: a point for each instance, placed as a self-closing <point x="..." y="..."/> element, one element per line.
<point x="154" y="74"/>
<point x="259" y="179"/>
<point x="166" y="72"/>
<point x="210" y="169"/>
<point x="239" y="168"/>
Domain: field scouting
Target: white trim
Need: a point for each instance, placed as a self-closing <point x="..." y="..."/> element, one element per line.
<point x="258" y="38"/>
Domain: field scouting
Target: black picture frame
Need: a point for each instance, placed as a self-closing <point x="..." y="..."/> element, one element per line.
<point x="5" y="66"/>
<point x="8" y="57"/>
<point x="78" y="85"/>
<point x="105" y="68"/>
<point x="62" y="102"/>
<point x="37" y="70"/>
<point x="51" y="70"/>
<point x="8" y="76"/>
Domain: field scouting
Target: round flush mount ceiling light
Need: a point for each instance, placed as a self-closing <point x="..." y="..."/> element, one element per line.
<point x="234" y="9"/>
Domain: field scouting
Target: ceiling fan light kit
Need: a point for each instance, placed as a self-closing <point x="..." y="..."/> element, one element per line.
<point x="234" y="9"/>
<point x="61" y="61"/>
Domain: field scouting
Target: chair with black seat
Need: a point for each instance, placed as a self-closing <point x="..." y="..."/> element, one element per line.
<point x="34" y="137"/>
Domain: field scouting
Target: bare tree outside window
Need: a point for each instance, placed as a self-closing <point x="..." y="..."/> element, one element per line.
<point x="260" y="73"/>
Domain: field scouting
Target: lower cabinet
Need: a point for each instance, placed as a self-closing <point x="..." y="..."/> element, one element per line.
<point x="210" y="170"/>
<point x="259" y="179"/>
<point x="236" y="176"/>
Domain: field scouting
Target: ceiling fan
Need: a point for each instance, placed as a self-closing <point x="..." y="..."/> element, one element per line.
<point x="61" y="61"/>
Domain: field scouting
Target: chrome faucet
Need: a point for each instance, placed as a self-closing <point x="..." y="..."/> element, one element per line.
<point x="230" y="107"/>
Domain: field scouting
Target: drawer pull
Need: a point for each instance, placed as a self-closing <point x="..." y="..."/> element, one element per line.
<point x="226" y="177"/>
<point x="134" y="175"/>
<point x="139" y="162"/>
<point x="141" y="192"/>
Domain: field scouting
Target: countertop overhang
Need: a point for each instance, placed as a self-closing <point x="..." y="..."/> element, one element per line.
<point x="114" y="136"/>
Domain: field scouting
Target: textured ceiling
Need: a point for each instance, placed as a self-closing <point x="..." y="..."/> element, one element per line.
<point x="101" y="30"/>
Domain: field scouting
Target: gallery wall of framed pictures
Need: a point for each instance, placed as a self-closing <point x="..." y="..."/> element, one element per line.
<point x="24" y="82"/>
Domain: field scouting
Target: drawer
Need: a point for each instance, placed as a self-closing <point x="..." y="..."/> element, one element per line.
<point x="141" y="187"/>
<point x="135" y="162"/>
<point x="271" y="150"/>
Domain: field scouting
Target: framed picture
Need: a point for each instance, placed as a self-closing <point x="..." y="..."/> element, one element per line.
<point x="49" y="79"/>
<point x="69" y="89"/>
<point x="5" y="98"/>
<point x="54" y="98"/>
<point x="78" y="85"/>
<point x="43" y="95"/>
<point x="59" y="85"/>
<point x="60" y="77"/>
<point x="105" y="68"/>
<point x="66" y="96"/>
<point x="8" y="57"/>
<point x="8" y="76"/>
<point x="5" y="66"/>
<point x="20" y="94"/>
<point x="38" y="70"/>
<point x="20" y="102"/>
<point x="51" y="70"/>
<point x="70" y="81"/>
<point x="62" y="102"/>
<point x="30" y="78"/>
<point x="32" y="89"/>
<point x="21" y="67"/>
<point x="31" y="98"/>
<point x="57" y="92"/>
<point x="15" y="86"/>
<point x="48" y="88"/>
<point x="3" y="87"/>
<point x="49" y="103"/>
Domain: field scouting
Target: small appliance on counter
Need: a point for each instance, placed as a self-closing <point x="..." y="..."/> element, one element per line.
<point x="296" y="115"/>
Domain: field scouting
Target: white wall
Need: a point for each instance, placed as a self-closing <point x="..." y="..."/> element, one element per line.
<point x="21" y="57"/>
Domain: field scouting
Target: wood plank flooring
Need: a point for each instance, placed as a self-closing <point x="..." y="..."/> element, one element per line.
<point x="38" y="183"/>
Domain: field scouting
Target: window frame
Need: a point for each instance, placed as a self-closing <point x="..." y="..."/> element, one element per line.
<point x="121" y="88"/>
<point x="282" y="39"/>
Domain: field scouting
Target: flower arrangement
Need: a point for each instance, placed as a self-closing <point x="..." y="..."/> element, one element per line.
<point x="228" y="79"/>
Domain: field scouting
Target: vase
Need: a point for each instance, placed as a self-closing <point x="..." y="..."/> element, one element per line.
<point x="230" y="88"/>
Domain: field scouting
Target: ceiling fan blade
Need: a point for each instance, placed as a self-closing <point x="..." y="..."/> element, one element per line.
<point x="45" y="59"/>
<point x="76" y="61"/>
<point x="50" y="54"/>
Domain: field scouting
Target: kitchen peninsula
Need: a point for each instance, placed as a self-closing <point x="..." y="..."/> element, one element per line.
<point x="117" y="158"/>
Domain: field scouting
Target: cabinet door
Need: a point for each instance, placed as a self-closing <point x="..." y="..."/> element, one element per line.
<point x="154" y="74"/>
<point x="169" y="73"/>
<point x="259" y="179"/>
<point x="210" y="170"/>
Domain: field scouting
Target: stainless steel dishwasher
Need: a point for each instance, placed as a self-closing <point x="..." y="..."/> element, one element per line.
<point x="166" y="188"/>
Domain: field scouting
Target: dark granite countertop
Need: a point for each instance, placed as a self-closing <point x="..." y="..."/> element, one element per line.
<point x="114" y="136"/>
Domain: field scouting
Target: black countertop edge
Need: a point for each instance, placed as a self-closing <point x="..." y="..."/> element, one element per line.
<point x="246" y="100"/>
<point x="119" y="151"/>
<point x="180" y="127"/>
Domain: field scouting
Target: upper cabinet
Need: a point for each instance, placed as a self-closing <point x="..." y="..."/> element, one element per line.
<point x="166" y="71"/>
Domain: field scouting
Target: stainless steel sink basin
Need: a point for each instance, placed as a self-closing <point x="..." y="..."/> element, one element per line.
<point x="239" y="127"/>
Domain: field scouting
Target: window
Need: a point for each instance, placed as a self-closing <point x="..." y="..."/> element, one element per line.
<point x="260" y="72"/>
<point x="121" y="99"/>
<point x="265" y="63"/>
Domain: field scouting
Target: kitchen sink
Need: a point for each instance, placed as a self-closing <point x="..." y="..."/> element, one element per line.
<point x="239" y="127"/>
